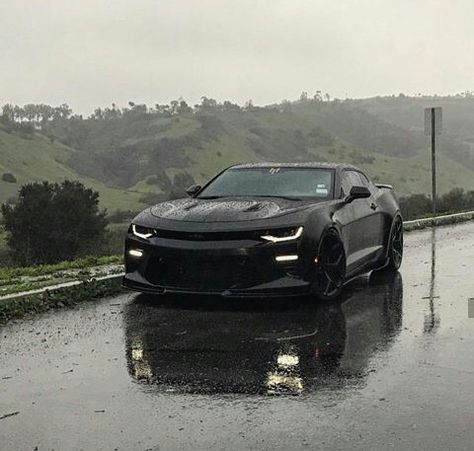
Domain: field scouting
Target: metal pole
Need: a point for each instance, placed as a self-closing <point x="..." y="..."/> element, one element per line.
<point x="433" y="161"/>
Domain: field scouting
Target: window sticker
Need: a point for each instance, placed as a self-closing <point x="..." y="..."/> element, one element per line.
<point x="321" y="188"/>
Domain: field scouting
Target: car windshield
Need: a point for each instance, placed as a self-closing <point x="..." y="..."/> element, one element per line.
<point x="286" y="182"/>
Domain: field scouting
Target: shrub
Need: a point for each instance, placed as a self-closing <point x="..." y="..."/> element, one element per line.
<point x="8" y="177"/>
<point x="53" y="222"/>
<point x="419" y="205"/>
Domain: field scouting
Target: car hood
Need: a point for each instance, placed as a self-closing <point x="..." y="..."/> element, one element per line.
<point x="226" y="210"/>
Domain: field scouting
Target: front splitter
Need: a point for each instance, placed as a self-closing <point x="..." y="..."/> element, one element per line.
<point x="283" y="287"/>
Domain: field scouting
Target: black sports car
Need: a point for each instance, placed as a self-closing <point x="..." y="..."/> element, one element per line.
<point x="267" y="229"/>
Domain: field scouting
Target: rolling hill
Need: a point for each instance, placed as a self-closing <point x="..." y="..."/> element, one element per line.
<point x="139" y="157"/>
<point x="35" y="158"/>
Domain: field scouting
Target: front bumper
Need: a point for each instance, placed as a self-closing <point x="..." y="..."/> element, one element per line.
<point x="240" y="268"/>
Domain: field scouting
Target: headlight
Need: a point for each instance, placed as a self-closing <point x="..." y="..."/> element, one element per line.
<point x="143" y="232"/>
<point x="284" y="235"/>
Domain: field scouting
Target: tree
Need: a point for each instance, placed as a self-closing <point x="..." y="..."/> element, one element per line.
<point x="318" y="97"/>
<point x="285" y="106"/>
<point x="53" y="222"/>
<point x="8" y="113"/>
<point x="207" y="105"/>
<point x="229" y="106"/>
<point x="249" y="105"/>
<point x="304" y="96"/>
<point x="184" y="107"/>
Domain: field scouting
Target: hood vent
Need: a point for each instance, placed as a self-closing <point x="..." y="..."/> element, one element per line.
<point x="254" y="207"/>
<point x="190" y="205"/>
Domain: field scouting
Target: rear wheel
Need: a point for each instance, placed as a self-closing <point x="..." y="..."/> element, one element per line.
<point x="330" y="267"/>
<point x="395" y="246"/>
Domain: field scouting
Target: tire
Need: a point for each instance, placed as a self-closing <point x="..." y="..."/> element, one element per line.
<point x="395" y="246"/>
<point x="330" y="271"/>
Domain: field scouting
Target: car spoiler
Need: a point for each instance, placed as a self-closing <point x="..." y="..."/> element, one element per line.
<point x="383" y="185"/>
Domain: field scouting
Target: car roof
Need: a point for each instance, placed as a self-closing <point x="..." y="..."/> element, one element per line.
<point x="308" y="164"/>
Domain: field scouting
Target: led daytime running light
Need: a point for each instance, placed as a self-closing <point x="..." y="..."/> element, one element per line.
<point x="279" y="239"/>
<point x="145" y="236"/>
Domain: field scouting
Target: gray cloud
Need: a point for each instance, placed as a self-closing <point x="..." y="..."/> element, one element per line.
<point x="94" y="52"/>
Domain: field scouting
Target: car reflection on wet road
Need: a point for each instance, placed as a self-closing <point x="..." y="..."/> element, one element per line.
<point x="388" y="366"/>
<point x="269" y="347"/>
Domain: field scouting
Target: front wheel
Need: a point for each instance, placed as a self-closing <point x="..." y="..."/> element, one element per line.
<point x="330" y="268"/>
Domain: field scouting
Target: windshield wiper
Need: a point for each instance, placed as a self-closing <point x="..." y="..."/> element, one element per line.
<point x="250" y="195"/>
<point x="281" y="197"/>
<point x="211" y="197"/>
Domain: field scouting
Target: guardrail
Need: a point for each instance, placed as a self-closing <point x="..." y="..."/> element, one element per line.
<point x="418" y="224"/>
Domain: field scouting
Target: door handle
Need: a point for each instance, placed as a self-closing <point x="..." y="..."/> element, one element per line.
<point x="373" y="206"/>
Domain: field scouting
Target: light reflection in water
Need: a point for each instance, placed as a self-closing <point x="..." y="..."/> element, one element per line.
<point x="291" y="347"/>
<point x="432" y="320"/>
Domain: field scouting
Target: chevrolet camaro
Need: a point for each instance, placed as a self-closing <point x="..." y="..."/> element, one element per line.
<point x="267" y="229"/>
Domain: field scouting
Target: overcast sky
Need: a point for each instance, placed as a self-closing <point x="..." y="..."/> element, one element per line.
<point x="94" y="52"/>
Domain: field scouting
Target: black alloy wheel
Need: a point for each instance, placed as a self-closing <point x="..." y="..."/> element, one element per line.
<point x="330" y="267"/>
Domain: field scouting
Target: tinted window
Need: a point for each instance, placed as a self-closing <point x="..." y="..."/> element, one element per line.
<point x="366" y="182"/>
<point x="278" y="181"/>
<point x="350" y="179"/>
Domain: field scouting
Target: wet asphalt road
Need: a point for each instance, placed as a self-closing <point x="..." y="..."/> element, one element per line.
<point x="390" y="366"/>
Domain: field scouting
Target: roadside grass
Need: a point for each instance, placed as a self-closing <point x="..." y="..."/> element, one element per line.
<point x="20" y="287"/>
<point x="87" y="291"/>
<point x="8" y="273"/>
<point x="17" y="279"/>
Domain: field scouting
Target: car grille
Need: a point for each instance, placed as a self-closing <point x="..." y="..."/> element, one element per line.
<point x="218" y="236"/>
<point x="208" y="236"/>
<point x="207" y="274"/>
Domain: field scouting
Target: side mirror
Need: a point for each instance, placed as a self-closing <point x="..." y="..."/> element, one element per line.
<point x="358" y="192"/>
<point x="193" y="190"/>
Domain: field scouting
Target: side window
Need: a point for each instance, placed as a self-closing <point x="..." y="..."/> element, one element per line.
<point x="349" y="179"/>
<point x="366" y="182"/>
<point x="345" y="184"/>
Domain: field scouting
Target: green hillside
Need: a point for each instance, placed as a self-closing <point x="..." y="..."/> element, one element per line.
<point x="395" y="125"/>
<point x="205" y="143"/>
<point x="409" y="175"/>
<point x="137" y="156"/>
<point x="35" y="158"/>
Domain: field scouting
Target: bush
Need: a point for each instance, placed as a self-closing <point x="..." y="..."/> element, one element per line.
<point x="419" y="205"/>
<point x="8" y="177"/>
<point x="53" y="222"/>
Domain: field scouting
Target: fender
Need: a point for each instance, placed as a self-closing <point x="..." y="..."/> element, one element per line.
<point x="316" y="226"/>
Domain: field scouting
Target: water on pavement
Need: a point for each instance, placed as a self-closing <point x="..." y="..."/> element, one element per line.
<point x="388" y="366"/>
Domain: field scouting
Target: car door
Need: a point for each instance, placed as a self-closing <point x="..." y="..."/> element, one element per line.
<point x="357" y="221"/>
<point x="377" y="218"/>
